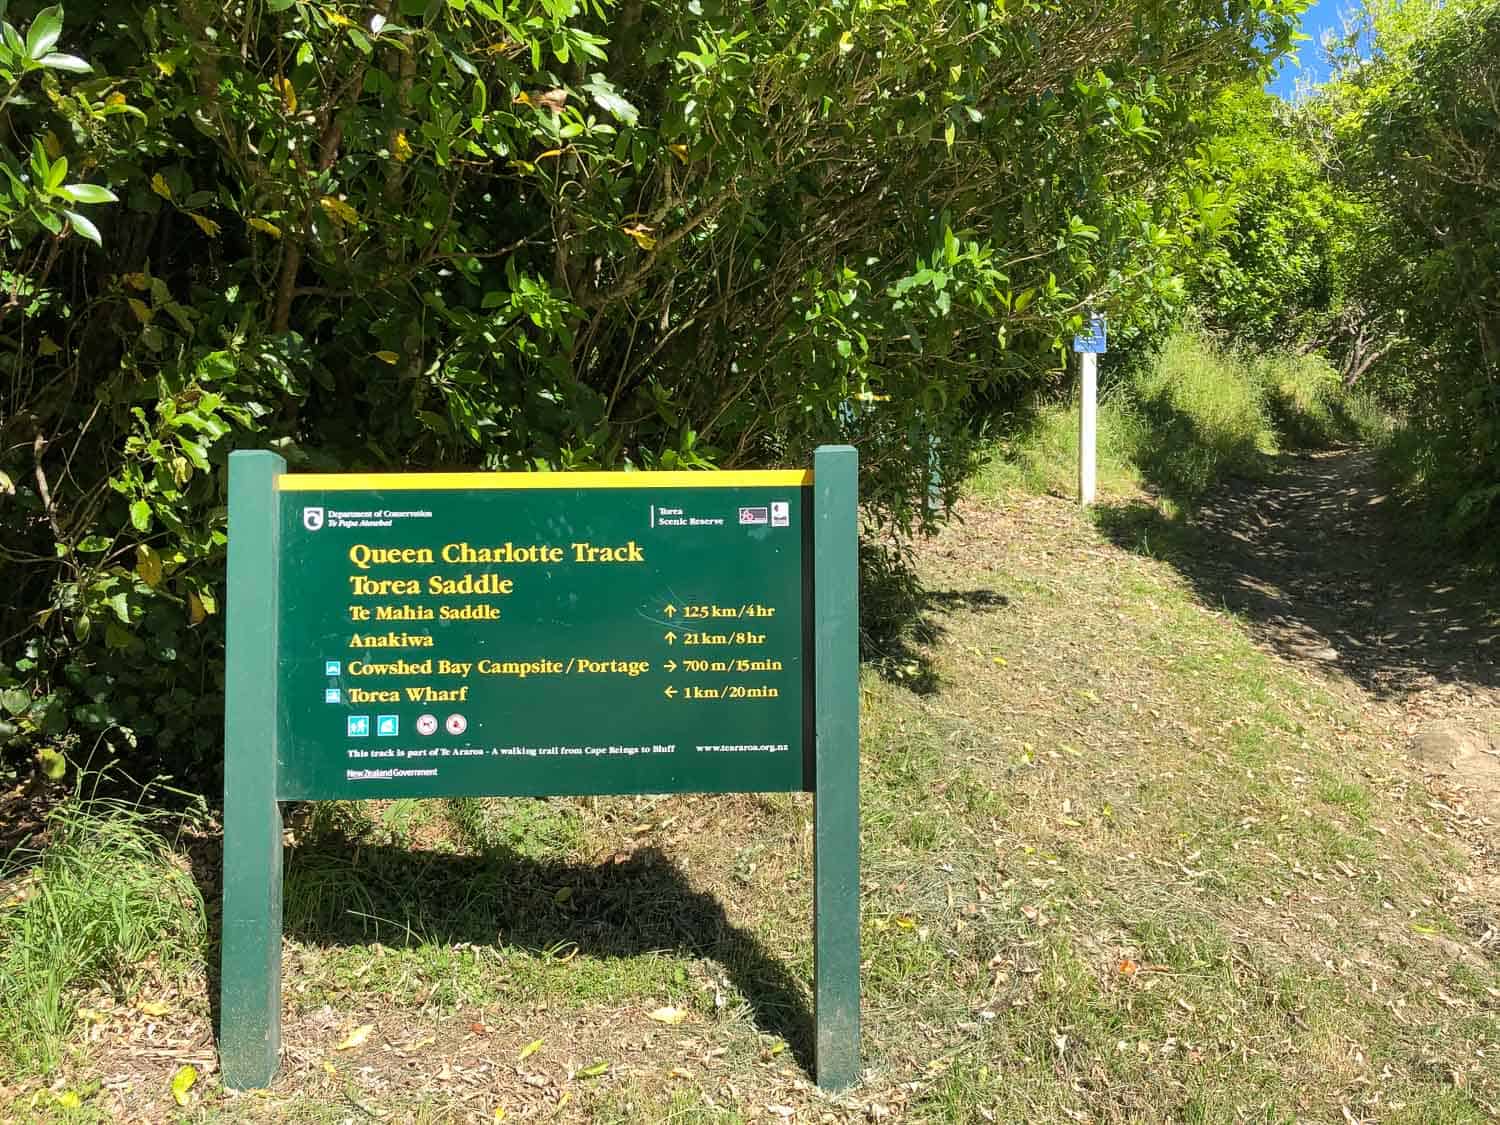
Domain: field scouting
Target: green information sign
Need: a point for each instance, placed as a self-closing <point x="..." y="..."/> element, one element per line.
<point x="543" y="633"/>
<point x="534" y="634"/>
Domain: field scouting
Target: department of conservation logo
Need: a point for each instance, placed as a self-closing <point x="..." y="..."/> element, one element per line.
<point x="312" y="518"/>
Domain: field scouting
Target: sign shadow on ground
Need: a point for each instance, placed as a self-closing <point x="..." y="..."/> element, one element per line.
<point x="345" y="893"/>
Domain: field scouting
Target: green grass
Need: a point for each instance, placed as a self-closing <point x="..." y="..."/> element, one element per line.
<point x="531" y="828"/>
<point x="1043" y="457"/>
<point x="105" y="904"/>
<point x="1309" y="406"/>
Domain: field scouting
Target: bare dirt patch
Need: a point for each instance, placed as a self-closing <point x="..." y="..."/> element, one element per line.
<point x="1319" y="561"/>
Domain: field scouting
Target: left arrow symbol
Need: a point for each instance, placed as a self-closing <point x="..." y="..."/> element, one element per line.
<point x="669" y="692"/>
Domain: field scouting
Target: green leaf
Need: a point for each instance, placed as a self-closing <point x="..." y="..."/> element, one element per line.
<point x="56" y="172"/>
<point x="15" y="700"/>
<point x="89" y="193"/>
<point x="55" y="723"/>
<point x="140" y="515"/>
<point x="611" y="102"/>
<point x="84" y="227"/>
<point x="278" y="5"/>
<point x="148" y="566"/>
<point x="71" y="63"/>
<point x="54" y="765"/>
<point x="44" y="32"/>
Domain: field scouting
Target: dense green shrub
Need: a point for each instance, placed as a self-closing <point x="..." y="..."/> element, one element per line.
<point x="549" y="234"/>
<point x="1416" y="134"/>
<point x="1289" y="229"/>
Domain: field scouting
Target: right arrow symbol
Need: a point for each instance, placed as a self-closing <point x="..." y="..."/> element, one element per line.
<point x="669" y="692"/>
<point x="670" y="665"/>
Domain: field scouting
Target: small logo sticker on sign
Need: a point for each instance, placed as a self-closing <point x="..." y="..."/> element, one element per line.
<point x="754" y="515"/>
<point x="457" y="724"/>
<point x="426" y="724"/>
<point x="312" y="518"/>
<point x="781" y="513"/>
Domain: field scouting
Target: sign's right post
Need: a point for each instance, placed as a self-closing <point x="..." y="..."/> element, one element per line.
<point x="836" y="765"/>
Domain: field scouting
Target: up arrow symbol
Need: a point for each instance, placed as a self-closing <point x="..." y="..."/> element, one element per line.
<point x="671" y="637"/>
<point x="670" y="611"/>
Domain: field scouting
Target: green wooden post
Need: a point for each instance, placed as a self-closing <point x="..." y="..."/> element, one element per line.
<point x="250" y="977"/>
<point x="836" y="773"/>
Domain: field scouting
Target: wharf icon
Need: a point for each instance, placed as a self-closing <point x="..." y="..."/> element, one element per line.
<point x="312" y="518"/>
<point x="359" y="726"/>
<point x="331" y="695"/>
<point x="426" y="724"/>
<point x="387" y="726"/>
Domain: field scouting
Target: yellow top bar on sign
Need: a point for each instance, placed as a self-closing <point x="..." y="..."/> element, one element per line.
<point x="407" y="482"/>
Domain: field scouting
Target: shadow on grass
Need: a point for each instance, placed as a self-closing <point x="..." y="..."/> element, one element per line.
<point x="1324" y="424"/>
<point x="346" y="892"/>
<point x="1312" y="558"/>
<point x="1182" y="460"/>
<point x="899" y="617"/>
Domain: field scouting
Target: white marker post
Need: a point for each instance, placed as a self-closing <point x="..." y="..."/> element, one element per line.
<point x="1089" y="348"/>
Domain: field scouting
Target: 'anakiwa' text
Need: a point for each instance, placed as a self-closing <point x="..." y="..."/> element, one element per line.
<point x="390" y="640"/>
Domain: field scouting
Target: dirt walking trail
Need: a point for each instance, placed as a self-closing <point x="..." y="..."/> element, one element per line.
<point x="1323" y="565"/>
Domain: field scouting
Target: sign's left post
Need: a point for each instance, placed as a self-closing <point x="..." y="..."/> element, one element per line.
<point x="250" y="943"/>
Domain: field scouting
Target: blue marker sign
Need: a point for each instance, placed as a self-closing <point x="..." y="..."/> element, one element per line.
<point x="1095" y="342"/>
